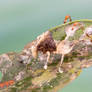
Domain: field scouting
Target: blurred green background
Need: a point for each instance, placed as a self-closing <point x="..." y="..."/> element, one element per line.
<point x="21" y="21"/>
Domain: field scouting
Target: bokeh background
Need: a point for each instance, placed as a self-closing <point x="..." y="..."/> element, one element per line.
<point x="21" y="21"/>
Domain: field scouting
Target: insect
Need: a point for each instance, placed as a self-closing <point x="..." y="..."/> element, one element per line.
<point x="63" y="48"/>
<point x="49" y="46"/>
<point x="46" y="44"/>
<point x="6" y="84"/>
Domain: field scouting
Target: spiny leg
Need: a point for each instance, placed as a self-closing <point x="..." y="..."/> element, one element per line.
<point x="62" y="59"/>
<point x="48" y="58"/>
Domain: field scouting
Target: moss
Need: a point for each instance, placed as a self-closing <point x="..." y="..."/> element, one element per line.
<point x="54" y="63"/>
<point x="22" y="85"/>
<point x="54" y="82"/>
<point x="63" y="78"/>
<point x="46" y="88"/>
<point x="13" y="90"/>
<point x="26" y="85"/>
<point x="72" y="71"/>
<point x="36" y="90"/>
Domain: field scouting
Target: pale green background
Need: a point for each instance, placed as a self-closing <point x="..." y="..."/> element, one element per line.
<point x="21" y="21"/>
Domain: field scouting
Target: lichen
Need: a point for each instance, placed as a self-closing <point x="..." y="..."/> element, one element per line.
<point x="36" y="79"/>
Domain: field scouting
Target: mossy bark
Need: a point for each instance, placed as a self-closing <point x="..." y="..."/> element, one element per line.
<point x="36" y="79"/>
